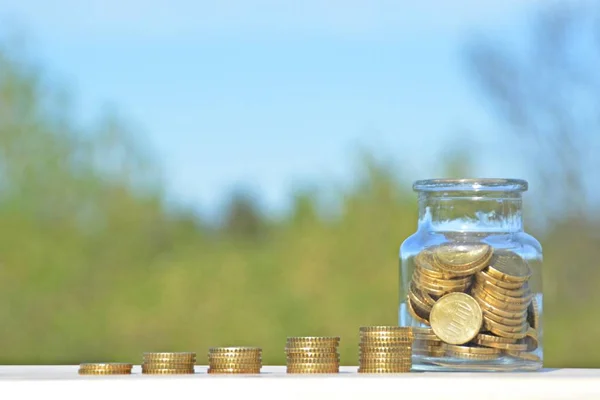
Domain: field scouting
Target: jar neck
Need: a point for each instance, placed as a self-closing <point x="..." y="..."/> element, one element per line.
<point x="469" y="211"/>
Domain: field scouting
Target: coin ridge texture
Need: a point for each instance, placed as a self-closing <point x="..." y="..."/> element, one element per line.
<point x="456" y="318"/>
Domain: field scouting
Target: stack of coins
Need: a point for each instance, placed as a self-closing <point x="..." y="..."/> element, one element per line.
<point x="313" y="355"/>
<point x="234" y="360"/>
<point x="427" y="343"/>
<point x="105" y="369"/>
<point x="168" y="363"/>
<point x="481" y="299"/>
<point x="385" y="349"/>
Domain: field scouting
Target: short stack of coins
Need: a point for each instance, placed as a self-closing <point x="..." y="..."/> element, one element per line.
<point x="385" y="349"/>
<point x="426" y="343"/>
<point x="476" y="300"/>
<point x="312" y="355"/>
<point x="168" y="363"/>
<point x="105" y="369"/>
<point x="234" y="360"/>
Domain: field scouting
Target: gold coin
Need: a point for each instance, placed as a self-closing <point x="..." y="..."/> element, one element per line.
<point x="522" y="291"/>
<point x="483" y="276"/>
<point x="470" y="349"/>
<point x="312" y="354"/>
<point x="533" y="314"/>
<point x="419" y="302"/>
<point x="176" y="355"/>
<point x="233" y="371"/>
<point x="503" y="346"/>
<point x="426" y="263"/>
<point x="167" y="365"/>
<point x="504" y="321"/>
<point x="484" y="337"/>
<point x="167" y="371"/>
<point x="495" y="302"/>
<point x="235" y="362"/>
<point x="523" y="355"/>
<point x="473" y="356"/>
<point x="389" y="370"/>
<point x="112" y="366"/>
<point x="292" y="370"/>
<point x="387" y="340"/>
<point x="511" y="335"/>
<point x="386" y="329"/>
<point x="381" y="348"/>
<point x="502" y="297"/>
<point x="509" y="267"/>
<point x="386" y="364"/>
<point x="456" y="318"/>
<point x="426" y="297"/>
<point x="104" y="371"/>
<point x="422" y="331"/>
<point x="443" y="283"/>
<point x="228" y="350"/>
<point x="418" y="343"/>
<point x="428" y="347"/>
<point x="439" y="352"/>
<point x="434" y="290"/>
<point x="462" y="259"/>
<point x="314" y="341"/>
<point x="497" y="310"/>
<point x="420" y="318"/>
<point x="488" y="323"/>
<point x="313" y="360"/>
<point x="531" y="340"/>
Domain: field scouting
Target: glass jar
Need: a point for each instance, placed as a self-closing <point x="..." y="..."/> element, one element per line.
<point x="471" y="279"/>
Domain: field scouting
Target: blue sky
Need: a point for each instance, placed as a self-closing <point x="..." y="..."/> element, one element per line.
<point x="273" y="94"/>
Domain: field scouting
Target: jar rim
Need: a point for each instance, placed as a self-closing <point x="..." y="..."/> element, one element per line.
<point x="471" y="185"/>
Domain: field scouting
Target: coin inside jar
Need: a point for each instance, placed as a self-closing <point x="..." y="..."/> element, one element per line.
<point x="462" y="259"/>
<point x="508" y="266"/>
<point x="456" y="318"/>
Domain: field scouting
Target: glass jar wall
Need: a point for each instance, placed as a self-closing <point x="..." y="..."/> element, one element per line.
<point x="471" y="279"/>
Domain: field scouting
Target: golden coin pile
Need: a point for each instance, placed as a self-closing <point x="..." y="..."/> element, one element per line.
<point x="234" y="360"/>
<point x="168" y="363"/>
<point x="312" y="355"/>
<point x="105" y="369"/>
<point x="385" y="349"/>
<point x="476" y="300"/>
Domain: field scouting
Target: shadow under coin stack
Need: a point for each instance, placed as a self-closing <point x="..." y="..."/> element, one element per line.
<point x="168" y="363"/>
<point x="313" y="355"/>
<point x="427" y="343"/>
<point x="105" y="369"/>
<point x="234" y="360"/>
<point x="385" y="349"/>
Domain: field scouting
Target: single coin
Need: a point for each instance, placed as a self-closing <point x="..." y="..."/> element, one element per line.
<point x="436" y="352"/>
<point x="411" y="309"/>
<point x="440" y="285"/>
<point x="382" y="348"/>
<point x="462" y="259"/>
<point x="167" y="371"/>
<point x="511" y="335"/>
<point x="104" y="371"/>
<point x="422" y="331"/>
<point x="177" y="355"/>
<point x="418" y="343"/>
<point x="498" y="303"/>
<point x="505" y="321"/>
<point x="523" y="355"/>
<point x="526" y="299"/>
<point x="431" y="291"/>
<point x="456" y="318"/>
<point x="167" y="365"/>
<point x="533" y="314"/>
<point x="426" y="263"/>
<point x="399" y="370"/>
<point x="488" y="323"/>
<point x="443" y="282"/>
<point x="291" y="370"/>
<point x="473" y="356"/>
<point x="522" y="291"/>
<point x="386" y="364"/>
<point x="503" y="346"/>
<point x="508" y="266"/>
<point x="220" y="350"/>
<point x="233" y="371"/>
<point x="484" y="276"/>
<point x="312" y="353"/>
<point x="313" y="360"/>
<point x="485" y="337"/>
<point x="418" y="301"/>
<point x="470" y="349"/>
<point x="426" y="297"/>
<point x="427" y="347"/>
<point x="313" y="341"/>
<point x="106" y="365"/>
<point x="497" y="310"/>
<point x="387" y="340"/>
<point x="531" y="340"/>
<point x="392" y="330"/>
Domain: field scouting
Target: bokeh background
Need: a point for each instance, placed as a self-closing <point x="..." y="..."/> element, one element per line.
<point x="182" y="174"/>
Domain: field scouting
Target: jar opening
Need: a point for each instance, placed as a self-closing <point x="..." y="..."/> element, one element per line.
<point x="471" y="185"/>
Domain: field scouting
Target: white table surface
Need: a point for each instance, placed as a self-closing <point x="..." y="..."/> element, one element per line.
<point x="274" y="383"/>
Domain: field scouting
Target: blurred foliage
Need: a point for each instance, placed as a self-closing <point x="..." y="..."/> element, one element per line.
<point x="93" y="266"/>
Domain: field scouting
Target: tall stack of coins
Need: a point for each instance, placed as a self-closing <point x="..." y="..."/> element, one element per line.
<point x="168" y="363"/>
<point x="234" y="360"/>
<point x="476" y="300"/>
<point x="105" y="369"/>
<point x="312" y="355"/>
<point x="385" y="349"/>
